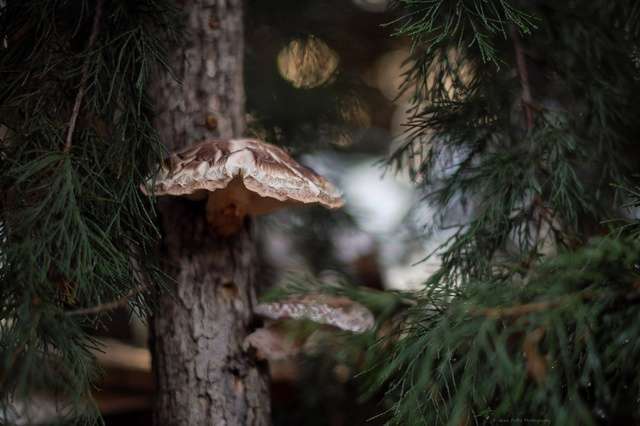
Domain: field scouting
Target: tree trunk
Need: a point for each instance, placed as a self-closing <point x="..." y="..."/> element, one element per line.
<point x="203" y="375"/>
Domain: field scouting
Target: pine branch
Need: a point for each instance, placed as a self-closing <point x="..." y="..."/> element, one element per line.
<point x="537" y="312"/>
<point x="110" y="306"/>
<point x="523" y="73"/>
<point x="84" y="76"/>
<point x="80" y="231"/>
<point x="528" y="308"/>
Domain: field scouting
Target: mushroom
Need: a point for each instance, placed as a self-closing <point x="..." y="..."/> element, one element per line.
<point x="337" y="311"/>
<point x="274" y="342"/>
<point x="240" y="178"/>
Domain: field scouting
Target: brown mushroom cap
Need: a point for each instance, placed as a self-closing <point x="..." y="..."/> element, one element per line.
<point x="247" y="175"/>
<point x="264" y="168"/>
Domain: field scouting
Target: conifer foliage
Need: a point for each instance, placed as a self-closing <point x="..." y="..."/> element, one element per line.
<point x="524" y="134"/>
<point x="77" y="140"/>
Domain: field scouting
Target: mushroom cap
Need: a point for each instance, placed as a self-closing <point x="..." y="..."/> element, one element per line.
<point x="264" y="169"/>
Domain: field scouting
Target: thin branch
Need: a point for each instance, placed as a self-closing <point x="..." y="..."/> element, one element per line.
<point x="519" y="310"/>
<point x="84" y="76"/>
<point x="521" y="63"/>
<point x="534" y="307"/>
<point x="110" y="306"/>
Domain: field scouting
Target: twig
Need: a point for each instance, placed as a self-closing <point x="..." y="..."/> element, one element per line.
<point x="84" y="76"/>
<point x="536" y="363"/>
<point x="530" y="308"/>
<point x="519" y="310"/>
<point x="521" y="63"/>
<point x="122" y="301"/>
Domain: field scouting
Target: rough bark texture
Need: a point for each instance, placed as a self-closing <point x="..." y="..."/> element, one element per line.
<point x="204" y="376"/>
<point x="208" y="99"/>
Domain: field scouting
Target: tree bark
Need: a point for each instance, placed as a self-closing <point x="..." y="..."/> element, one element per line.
<point x="202" y="373"/>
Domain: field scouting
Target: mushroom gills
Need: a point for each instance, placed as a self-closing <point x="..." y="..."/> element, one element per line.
<point x="228" y="207"/>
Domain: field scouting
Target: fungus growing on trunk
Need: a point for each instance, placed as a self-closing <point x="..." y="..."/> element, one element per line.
<point x="240" y="178"/>
<point x="339" y="312"/>
<point x="274" y="343"/>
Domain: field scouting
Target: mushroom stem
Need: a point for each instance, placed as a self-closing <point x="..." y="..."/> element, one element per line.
<point x="227" y="208"/>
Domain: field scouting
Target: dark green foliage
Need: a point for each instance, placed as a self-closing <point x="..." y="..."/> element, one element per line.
<point x="434" y="24"/>
<point x="524" y="129"/>
<point x="75" y="230"/>
<point x="560" y="349"/>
